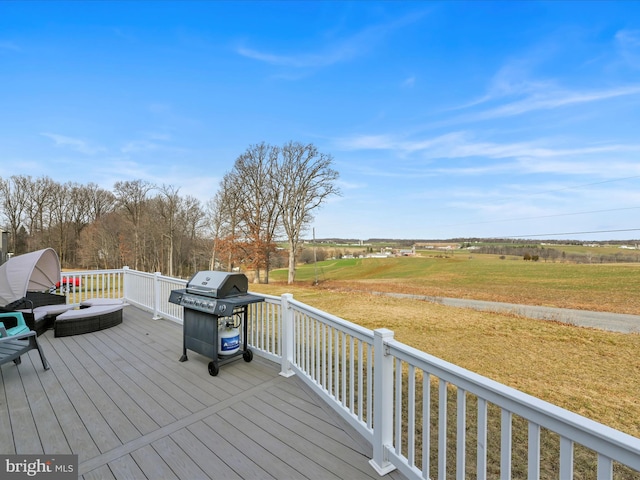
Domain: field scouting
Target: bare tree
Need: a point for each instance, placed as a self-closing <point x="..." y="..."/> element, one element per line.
<point x="193" y="251"/>
<point x="87" y="204"/>
<point x="62" y="206"/>
<point x="131" y="196"/>
<point x="99" y="201"/>
<point x="215" y="222"/>
<point x="254" y="183"/>
<point x="305" y="180"/>
<point x="168" y="205"/>
<point x="14" y="205"/>
<point x="223" y="221"/>
<point x="83" y="225"/>
<point x="100" y="244"/>
<point x="39" y="194"/>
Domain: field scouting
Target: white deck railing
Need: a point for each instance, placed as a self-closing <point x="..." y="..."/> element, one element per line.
<point x="416" y="410"/>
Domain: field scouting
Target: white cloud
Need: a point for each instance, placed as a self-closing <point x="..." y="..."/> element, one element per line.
<point x="139" y="146"/>
<point x="628" y="43"/>
<point x="400" y="144"/>
<point x="323" y="59"/>
<point x="547" y="100"/>
<point x="435" y="156"/>
<point x="515" y="89"/>
<point x="512" y="80"/>
<point x="76" y="144"/>
<point x="628" y="38"/>
<point x="342" y="50"/>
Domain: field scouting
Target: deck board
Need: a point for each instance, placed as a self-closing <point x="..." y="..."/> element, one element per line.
<point x="298" y="452"/>
<point x="176" y="458"/>
<point x="72" y="377"/>
<point x="243" y="441"/>
<point x="22" y="424"/>
<point x="6" y="440"/>
<point x="117" y="391"/>
<point x="101" y="473"/>
<point x="78" y="438"/>
<point x="152" y="464"/>
<point x="234" y="458"/>
<point x="50" y="433"/>
<point x="201" y="453"/>
<point x="126" y="468"/>
<point x="122" y="402"/>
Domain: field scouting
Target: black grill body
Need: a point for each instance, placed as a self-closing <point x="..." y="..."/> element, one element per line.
<point x="212" y="297"/>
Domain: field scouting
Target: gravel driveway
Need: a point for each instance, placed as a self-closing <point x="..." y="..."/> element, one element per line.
<point x="614" y="322"/>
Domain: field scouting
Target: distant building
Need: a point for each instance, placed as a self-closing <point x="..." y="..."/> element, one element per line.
<point x="407" y="253"/>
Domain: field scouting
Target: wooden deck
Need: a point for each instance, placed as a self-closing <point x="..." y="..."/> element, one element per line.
<point x="122" y="402"/>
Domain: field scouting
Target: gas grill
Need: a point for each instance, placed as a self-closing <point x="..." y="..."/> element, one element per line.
<point x="216" y="306"/>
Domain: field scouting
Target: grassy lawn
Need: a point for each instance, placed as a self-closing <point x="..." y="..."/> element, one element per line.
<point x="600" y="287"/>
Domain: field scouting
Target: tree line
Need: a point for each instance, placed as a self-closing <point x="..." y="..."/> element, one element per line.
<point x="270" y="193"/>
<point x="551" y="254"/>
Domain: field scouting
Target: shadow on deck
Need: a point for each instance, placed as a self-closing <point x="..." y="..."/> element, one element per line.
<point x="122" y="402"/>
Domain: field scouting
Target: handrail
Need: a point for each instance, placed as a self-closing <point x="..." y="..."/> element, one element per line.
<point x="396" y="396"/>
<point x="608" y="443"/>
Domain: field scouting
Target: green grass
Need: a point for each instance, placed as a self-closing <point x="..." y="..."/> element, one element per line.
<point x="602" y="287"/>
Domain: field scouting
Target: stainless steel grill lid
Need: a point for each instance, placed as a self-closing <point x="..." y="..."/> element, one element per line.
<point x="218" y="293"/>
<point x="218" y="284"/>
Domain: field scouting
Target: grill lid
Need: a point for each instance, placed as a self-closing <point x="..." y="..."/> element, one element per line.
<point x="216" y="284"/>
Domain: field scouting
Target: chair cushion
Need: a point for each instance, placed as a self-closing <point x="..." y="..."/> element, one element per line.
<point x="101" y="302"/>
<point x="53" y="309"/>
<point x="37" y="314"/>
<point x="89" y="312"/>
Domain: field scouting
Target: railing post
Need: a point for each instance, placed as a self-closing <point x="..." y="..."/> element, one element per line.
<point x="286" y="316"/>
<point x="382" y="402"/>
<point x="125" y="283"/>
<point x="156" y="295"/>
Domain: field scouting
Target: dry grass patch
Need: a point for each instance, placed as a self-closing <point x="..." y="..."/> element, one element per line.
<point x="591" y="372"/>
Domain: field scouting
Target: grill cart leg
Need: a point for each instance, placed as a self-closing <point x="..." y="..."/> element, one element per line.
<point x="184" y="358"/>
<point x="247" y="354"/>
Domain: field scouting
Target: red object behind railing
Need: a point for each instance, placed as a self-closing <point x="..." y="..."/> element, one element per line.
<point x="67" y="281"/>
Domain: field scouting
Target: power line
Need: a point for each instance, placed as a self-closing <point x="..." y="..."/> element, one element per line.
<point x="541" y="216"/>
<point x="571" y="233"/>
<point x="587" y="184"/>
<point x="555" y="215"/>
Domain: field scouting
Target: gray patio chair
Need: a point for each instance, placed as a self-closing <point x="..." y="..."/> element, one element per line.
<point x="12" y="347"/>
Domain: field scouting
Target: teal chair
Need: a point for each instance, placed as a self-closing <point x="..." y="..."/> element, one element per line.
<point x="18" y="340"/>
<point x="21" y="326"/>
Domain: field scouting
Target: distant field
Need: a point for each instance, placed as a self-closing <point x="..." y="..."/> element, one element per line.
<point x="602" y="287"/>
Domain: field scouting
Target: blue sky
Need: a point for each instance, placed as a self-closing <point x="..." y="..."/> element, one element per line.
<point x="444" y="119"/>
